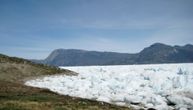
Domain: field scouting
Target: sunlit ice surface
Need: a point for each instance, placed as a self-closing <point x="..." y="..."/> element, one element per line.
<point x="159" y="86"/>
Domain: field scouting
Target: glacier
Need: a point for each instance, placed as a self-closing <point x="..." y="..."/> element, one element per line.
<point x="158" y="86"/>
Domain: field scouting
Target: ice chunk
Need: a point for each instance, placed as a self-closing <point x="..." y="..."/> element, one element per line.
<point x="161" y="86"/>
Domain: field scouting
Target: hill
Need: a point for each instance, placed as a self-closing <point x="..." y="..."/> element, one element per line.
<point x="156" y="53"/>
<point x="17" y="69"/>
<point x="161" y="53"/>
<point x="16" y="96"/>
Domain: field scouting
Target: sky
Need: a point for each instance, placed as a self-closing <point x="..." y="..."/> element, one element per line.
<point x="32" y="29"/>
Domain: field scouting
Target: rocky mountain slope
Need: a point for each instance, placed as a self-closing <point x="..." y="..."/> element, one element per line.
<point x="156" y="53"/>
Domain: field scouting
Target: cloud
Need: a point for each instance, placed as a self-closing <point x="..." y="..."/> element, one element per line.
<point x="35" y="28"/>
<point x="173" y="36"/>
<point x="160" y="22"/>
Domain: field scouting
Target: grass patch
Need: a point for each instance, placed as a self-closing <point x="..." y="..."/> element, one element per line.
<point x="16" y="96"/>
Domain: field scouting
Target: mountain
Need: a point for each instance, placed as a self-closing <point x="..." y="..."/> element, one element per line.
<point x="74" y="57"/>
<point x="161" y="53"/>
<point x="156" y="53"/>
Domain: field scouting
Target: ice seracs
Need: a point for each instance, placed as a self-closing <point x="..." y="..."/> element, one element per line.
<point x="162" y="87"/>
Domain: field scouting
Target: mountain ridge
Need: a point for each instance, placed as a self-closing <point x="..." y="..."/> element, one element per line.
<point x="155" y="53"/>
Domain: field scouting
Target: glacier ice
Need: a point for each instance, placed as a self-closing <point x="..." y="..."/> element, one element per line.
<point x="158" y="86"/>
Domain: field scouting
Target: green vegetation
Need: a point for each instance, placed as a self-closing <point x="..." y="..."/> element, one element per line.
<point x="16" y="96"/>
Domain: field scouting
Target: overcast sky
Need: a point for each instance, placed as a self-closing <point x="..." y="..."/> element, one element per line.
<point x="33" y="28"/>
